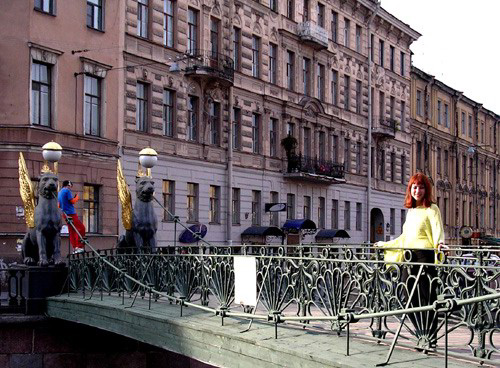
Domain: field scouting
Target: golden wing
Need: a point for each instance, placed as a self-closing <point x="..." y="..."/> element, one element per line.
<point x="125" y="197"/>
<point x="26" y="190"/>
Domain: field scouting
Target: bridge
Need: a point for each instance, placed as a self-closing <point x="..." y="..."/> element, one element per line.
<point x="315" y="305"/>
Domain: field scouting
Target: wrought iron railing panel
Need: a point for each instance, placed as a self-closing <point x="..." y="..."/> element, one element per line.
<point x="314" y="165"/>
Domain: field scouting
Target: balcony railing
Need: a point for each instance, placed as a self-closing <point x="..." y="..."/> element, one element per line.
<point x="205" y="63"/>
<point x="313" y="34"/>
<point x="312" y="168"/>
<point x="384" y="127"/>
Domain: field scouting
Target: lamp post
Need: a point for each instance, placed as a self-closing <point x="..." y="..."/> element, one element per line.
<point x="51" y="152"/>
<point x="148" y="159"/>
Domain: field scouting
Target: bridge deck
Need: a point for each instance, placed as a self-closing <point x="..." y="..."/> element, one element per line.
<point x="199" y="335"/>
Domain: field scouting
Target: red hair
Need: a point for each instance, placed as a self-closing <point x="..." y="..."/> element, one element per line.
<point x="419" y="179"/>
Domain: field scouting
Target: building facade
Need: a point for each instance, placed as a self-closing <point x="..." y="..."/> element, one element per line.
<point x="51" y="90"/>
<point x="455" y="142"/>
<point x="301" y="68"/>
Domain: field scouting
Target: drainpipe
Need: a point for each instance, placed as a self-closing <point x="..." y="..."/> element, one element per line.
<point x="370" y="107"/>
<point x="229" y="219"/>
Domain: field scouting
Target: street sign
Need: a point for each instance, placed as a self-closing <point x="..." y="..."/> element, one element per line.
<point x="275" y="207"/>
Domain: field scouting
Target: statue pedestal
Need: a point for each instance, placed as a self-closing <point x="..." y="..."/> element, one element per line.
<point x="29" y="286"/>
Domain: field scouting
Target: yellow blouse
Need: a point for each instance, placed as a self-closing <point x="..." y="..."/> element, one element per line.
<point x="423" y="228"/>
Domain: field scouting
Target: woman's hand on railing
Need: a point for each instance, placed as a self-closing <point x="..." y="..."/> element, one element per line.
<point x="443" y="247"/>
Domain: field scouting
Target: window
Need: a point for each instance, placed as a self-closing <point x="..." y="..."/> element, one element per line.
<point x="306" y="65"/>
<point x="142" y="107"/>
<point x="393" y="167"/>
<point x="393" y="221"/>
<point x="358" y="158"/>
<point x="255" y="56"/>
<point x="168" y="200"/>
<point x="445" y="211"/>
<point x="403" y="169"/>
<point x="273" y="137"/>
<point x="273" y="5"/>
<point x="307" y="207"/>
<point x="214" y="212"/>
<point x="335" y="87"/>
<point x="92" y="113"/>
<point x="470" y="126"/>
<point x="438" y="160"/>
<point x="335" y="149"/>
<point x="192" y="128"/>
<point x="321" y="15"/>
<point x="236" y="48"/>
<point x="168" y="112"/>
<point x="236" y="128"/>
<point x="290" y="70"/>
<point x="381" y="107"/>
<point x="464" y="212"/>
<point x="142" y="18"/>
<point x="192" y="31"/>
<point x="403" y="115"/>
<point x="439" y="112"/>
<point x="307" y="142"/>
<point x="305" y="11"/>
<point x="446" y="162"/>
<point x="91" y="208"/>
<point x="372" y="150"/>
<point x="214" y="122"/>
<point x="168" y="23"/>
<point x="334" y="25"/>
<point x="381" y="53"/>
<point x="321" y="146"/>
<point x="46" y="6"/>
<point x="392" y="107"/>
<point x="359" y="216"/>
<point x="419" y="103"/>
<point x="464" y="167"/>
<point x="290" y="206"/>
<point x="214" y="37"/>
<point x="321" y="82"/>
<point x="392" y="51"/>
<point x="446" y="116"/>
<point x="236" y="206"/>
<point x="192" y="202"/>
<point x="347" y="92"/>
<point x="335" y="214"/>
<point x="274" y="220"/>
<point x="419" y="155"/>
<point x="402" y="63"/>
<point x="358" y="97"/>
<point x="347" y="215"/>
<point x="94" y="14"/>
<point x="41" y="94"/>
<point x="273" y="55"/>
<point x="347" y="155"/>
<point x="403" y="219"/>
<point x="290" y="9"/>
<point x="321" y="212"/>
<point x="358" y="38"/>
<point x="372" y="49"/>
<point x="255" y="133"/>
<point x="382" y="165"/>
<point x="256" y="207"/>
<point x="290" y="129"/>
<point x="347" y="31"/>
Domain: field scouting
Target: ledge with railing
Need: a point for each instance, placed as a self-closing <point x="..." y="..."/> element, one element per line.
<point x="313" y="34"/>
<point x="313" y="168"/>
<point x="210" y="64"/>
<point x="384" y="127"/>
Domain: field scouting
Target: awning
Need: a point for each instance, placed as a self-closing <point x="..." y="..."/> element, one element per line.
<point x="332" y="233"/>
<point x="263" y="231"/>
<point x="300" y="224"/>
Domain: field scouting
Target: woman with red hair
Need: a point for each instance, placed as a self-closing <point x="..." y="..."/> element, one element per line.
<point x="423" y="235"/>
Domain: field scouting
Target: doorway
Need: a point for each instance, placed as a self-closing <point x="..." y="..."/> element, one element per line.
<point x="377" y="228"/>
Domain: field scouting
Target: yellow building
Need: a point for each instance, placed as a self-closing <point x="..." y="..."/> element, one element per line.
<point x="455" y="142"/>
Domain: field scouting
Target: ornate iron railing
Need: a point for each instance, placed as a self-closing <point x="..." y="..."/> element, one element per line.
<point x="332" y="286"/>
<point x="211" y="63"/>
<point x="313" y="165"/>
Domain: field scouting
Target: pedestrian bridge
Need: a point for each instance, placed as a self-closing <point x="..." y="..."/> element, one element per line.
<point x="320" y="305"/>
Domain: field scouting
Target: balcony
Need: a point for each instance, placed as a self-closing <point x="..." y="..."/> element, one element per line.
<point x="313" y="35"/>
<point x="304" y="168"/>
<point x="384" y="128"/>
<point x="206" y="64"/>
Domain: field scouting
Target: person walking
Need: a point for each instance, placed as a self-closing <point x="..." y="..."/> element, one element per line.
<point x="423" y="234"/>
<point x="66" y="202"/>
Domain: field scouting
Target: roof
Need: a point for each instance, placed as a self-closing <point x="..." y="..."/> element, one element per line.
<point x="332" y="233"/>
<point x="299" y="224"/>
<point x="263" y="231"/>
